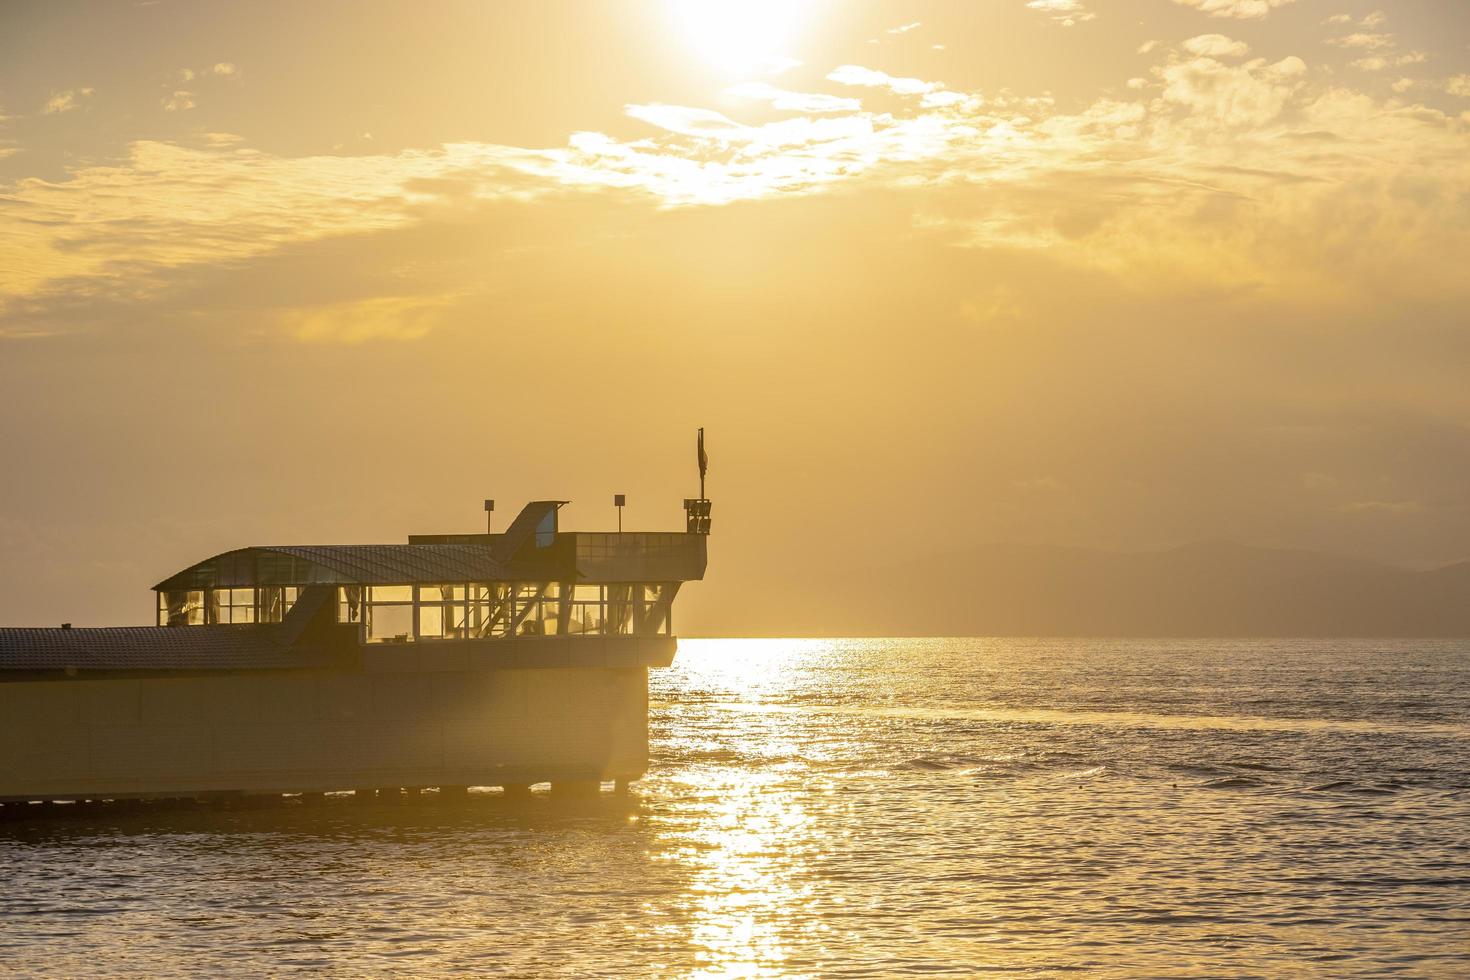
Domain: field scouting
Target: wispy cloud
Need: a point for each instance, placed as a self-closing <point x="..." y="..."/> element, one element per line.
<point x="905" y="28"/>
<point x="1378" y="62"/>
<point x="1130" y="186"/>
<point x="178" y="101"/>
<point x="1370" y="21"/>
<point x="1379" y="50"/>
<point x="793" y="101"/>
<point x="359" y="321"/>
<point x="1068" y="13"/>
<point x="687" y="121"/>
<point x="1240" y="9"/>
<point x="1216" y="46"/>
<point x="872" y="78"/>
<point x="65" y="101"/>
<point x="1363" y="41"/>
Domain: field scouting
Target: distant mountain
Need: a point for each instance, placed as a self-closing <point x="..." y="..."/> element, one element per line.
<point x="1205" y="589"/>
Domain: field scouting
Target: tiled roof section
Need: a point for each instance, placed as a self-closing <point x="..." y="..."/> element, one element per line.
<point x="350" y="564"/>
<point x="129" y="648"/>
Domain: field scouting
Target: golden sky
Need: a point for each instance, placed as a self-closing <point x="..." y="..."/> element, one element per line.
<point x="1121" y="274"/>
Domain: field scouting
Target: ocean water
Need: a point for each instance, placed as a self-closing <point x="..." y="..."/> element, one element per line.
<point x="851" y="808"/>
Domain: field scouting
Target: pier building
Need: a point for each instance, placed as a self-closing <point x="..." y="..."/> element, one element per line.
<point x="452" y="660"/>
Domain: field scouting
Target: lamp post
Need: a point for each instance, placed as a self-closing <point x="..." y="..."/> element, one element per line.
<point x="619" y="499"/>
<point x="489" y="514"/>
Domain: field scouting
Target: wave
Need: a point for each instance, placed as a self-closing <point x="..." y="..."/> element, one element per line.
<point x="1108" y="719"/>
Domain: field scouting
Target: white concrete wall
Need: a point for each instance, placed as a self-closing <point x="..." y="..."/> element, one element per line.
<point x="321" y="731"/>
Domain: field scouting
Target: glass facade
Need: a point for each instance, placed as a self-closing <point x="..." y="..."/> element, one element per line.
<point x="199" y="607"/>
<point x="449" y="611"/>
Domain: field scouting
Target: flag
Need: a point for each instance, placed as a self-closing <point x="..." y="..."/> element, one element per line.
<point x="703" y="459"/>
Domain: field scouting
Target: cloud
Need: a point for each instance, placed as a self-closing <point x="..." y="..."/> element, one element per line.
<point x="1232" y="96"/>
<point x="167" y="207"/>
<point x="1378" y="62"/>
<point x="179" y="101"/>
<point x="65" y="101"/>
<point x="1219" y="172"/>
<point x="359" y="321"/>
<point x="1068" y="13"/>
<point x="872" y="78"/>
<point x="225" y="69"/>
<point x="793" y="101"/>
<point x="905" y="28"/>
<point x="704" y="123"/>
<point x="1371" y="42"/>
<point x="1216" y="46"/>
<point x="1242" y="9"/>
<point x="1458" y="85"/>
<point x="1370" y="21"/>
<point x="1382" y="49"/>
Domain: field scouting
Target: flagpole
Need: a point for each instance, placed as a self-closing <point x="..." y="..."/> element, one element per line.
<point x="701" y="462"/>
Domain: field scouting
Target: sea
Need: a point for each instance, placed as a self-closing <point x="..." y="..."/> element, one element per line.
<point x="847" y="808"/>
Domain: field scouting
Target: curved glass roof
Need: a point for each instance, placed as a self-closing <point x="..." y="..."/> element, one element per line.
<point x="349" y="564"/>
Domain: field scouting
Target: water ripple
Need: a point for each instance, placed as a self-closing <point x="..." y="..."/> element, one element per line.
<point x="850" y="808"/>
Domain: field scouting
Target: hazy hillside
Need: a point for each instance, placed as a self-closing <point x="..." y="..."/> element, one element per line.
<point x="1207" y="589"/>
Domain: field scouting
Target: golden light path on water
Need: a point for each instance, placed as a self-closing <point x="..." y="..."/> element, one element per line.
<point x="850" y="808"/>
<point x="749" y="854"/>
<point x="756" y="852"/>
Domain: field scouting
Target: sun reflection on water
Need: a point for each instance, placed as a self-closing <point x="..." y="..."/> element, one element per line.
<point x="749" y="855"/>
<point x="750" y="667"/>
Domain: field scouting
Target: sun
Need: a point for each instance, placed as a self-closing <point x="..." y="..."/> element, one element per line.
<point x="740" y="36"/>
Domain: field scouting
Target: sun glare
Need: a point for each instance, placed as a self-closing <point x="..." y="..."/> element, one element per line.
<point x="742" y="36"/>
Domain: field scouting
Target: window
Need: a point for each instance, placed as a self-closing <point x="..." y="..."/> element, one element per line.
<point x="275" y="601"/>
<point x="389" y="613"/>
<point x="184" y="608"/>
<point x="530" y="605"/>
<point x="231" y="606"/>
<point x="487" y="610"/>
<point x="586" y="609"/>
<point x="546" y="530"/>
<point x="654" y="619"/>
<point x="441" y="611"/>
<point x="619" y="608"/>
<point x="349" y="604"/>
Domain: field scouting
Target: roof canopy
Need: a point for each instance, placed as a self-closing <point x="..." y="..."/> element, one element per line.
<point x="532" y="549"/>
<point x="349" y="564"/>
